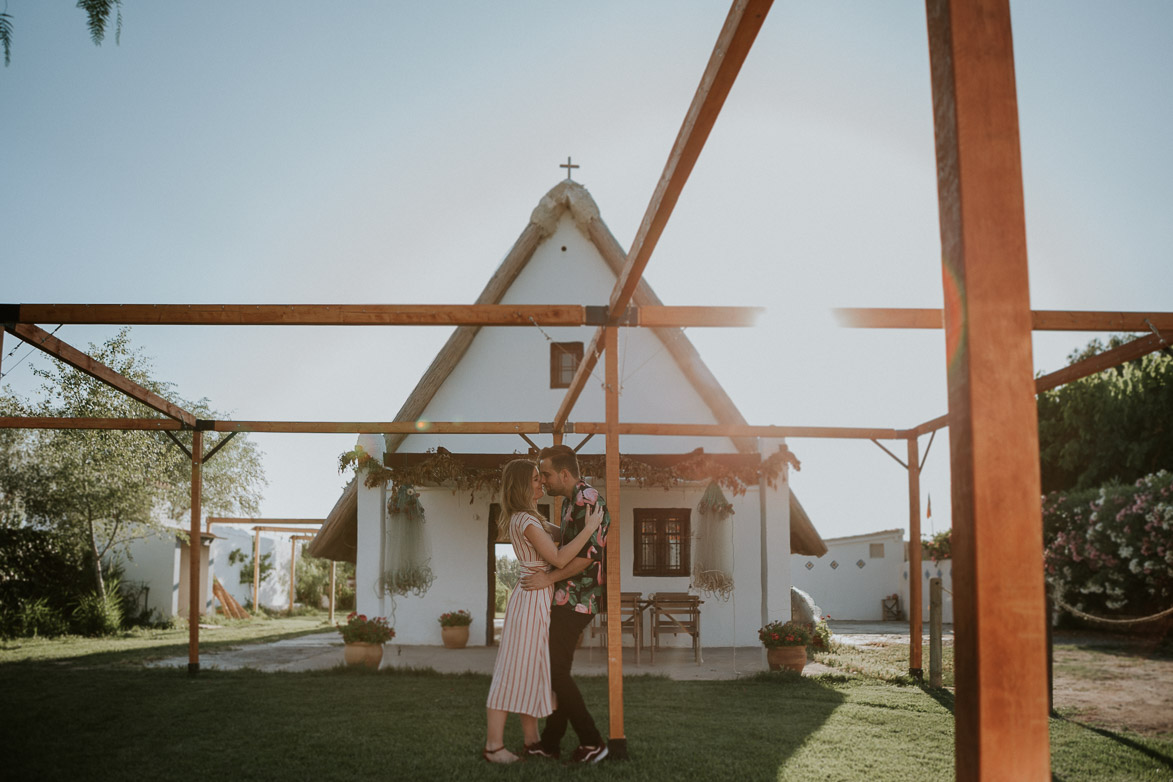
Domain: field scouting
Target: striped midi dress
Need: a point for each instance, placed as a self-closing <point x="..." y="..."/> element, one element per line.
<point x="521" y="677"/>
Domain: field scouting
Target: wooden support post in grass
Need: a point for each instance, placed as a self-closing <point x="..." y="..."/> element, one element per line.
<point x="618" y="740"/>
<point x="935" y="661"/>
<point x="1001" y="725"/>
<point x="915" y="596"/>
<point x="333" y="565"/>
<point x="256" y="569"/>
<point x="193" y="574"/>
<point x="292" y="572"/>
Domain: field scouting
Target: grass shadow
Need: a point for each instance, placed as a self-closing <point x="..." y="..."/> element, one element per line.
<point x="1122" y="740"/>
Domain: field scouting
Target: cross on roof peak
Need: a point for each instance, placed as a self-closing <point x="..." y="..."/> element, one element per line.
<point x="568" y="166"/>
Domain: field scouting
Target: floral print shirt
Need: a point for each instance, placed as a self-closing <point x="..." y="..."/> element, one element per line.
<point x="586" y="592"/>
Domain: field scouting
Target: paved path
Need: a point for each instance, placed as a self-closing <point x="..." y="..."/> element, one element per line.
<point x="324" y="650"/>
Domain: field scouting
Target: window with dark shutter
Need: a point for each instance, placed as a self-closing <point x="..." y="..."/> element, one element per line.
<point x="564" y="361"/>
<point x="662" y="541"/>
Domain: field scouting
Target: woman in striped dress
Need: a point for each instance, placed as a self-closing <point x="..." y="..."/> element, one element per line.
<point x="521" y="677"/>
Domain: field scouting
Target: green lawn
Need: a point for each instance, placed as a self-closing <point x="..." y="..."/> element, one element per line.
<point x="83" y="717"/>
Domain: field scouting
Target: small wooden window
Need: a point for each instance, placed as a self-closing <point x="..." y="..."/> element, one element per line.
<point x="662" y="541"/>
<point x="876" y="551"/>
<point x="564" y="360"/>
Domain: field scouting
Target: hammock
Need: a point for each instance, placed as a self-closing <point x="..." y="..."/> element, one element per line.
<point x="712" y="565"/>
<point x="407" y="553"/>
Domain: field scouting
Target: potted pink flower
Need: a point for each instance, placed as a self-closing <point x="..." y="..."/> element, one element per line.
<point x="454" y="628"/>
<point x="364" y="639"/>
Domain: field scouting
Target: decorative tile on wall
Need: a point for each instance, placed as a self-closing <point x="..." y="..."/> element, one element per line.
<point x="834" y="564"/>
<point x="859" y="563"/>
<point x="809" y="565"/>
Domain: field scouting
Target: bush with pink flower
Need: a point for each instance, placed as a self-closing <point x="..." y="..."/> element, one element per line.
<point x="1110" y="550"/>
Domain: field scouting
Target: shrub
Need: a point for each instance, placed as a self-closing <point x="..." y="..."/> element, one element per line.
<point x="36" y="618"/>
<point x="501" y="599"/>
<point x="99" y="614"/>
<point x="1112" y="548"/>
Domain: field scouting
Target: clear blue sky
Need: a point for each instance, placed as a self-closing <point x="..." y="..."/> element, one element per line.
<point x="291" y="152"/>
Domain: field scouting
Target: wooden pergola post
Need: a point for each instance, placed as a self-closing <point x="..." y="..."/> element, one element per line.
<point x="333" y="564"/>
<point x="256" y="569"/>
<point x="292" y="572"/>
<point x="195" y="548"/>
<point x="617" y="738"/>
<point x="1001" y="720"/>
<point x="915" y="666"/>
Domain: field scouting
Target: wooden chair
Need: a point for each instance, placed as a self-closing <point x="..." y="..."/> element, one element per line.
<point x="676" y="612"/>
<point x="631" y="607"/>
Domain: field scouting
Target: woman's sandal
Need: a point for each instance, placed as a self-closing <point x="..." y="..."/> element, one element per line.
<point x="488" y="754"/>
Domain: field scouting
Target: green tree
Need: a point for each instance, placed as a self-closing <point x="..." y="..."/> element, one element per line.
<point x="248" y="567"/>
<point x="107" y="487"/>
<point x="1116" y="425"/>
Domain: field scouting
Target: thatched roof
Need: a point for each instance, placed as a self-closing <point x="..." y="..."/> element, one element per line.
<point x="338" y="537"/>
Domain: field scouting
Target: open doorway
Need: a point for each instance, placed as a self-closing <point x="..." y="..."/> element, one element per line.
<point x="503" y="572"/>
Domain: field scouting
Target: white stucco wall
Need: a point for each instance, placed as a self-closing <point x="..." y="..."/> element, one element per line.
<point x="154" y="561"/>
<point x="505" y="374"/>
<point x="274" y="590"/>
<point x="843" y="589"/>
<point x="943" y="570"/>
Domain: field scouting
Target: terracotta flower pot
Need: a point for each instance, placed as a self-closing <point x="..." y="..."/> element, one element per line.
<point x="455" y="637"/>
<point x="790" y="657"/>
<point x="363" y="653"/>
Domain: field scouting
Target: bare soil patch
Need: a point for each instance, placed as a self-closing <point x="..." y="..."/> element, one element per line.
<point x="1115" y="681"/>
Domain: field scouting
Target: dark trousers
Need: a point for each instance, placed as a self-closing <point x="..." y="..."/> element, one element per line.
<point x="566" y="625"/>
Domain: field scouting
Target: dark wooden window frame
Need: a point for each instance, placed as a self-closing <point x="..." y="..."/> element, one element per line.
<point x="557" y="350"/>
<point x="660" y="518"/>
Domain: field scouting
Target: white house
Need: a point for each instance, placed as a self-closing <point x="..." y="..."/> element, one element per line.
<point x="859" y="571"/>
<point x="156" y="564"/>
<point x="566" y="255"/>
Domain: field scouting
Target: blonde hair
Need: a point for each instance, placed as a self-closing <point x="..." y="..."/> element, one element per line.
<point x="517" y="493"/>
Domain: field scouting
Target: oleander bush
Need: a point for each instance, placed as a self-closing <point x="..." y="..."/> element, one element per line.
<point x="1109" y="550"/>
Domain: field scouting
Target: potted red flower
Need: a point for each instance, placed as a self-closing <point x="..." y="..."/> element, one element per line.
<point x="454" y="628"/>
<point x="364" y="639"/>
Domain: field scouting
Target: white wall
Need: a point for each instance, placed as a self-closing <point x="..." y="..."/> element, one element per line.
<point x="505" y="374"/>
<point x="943" y="570"/>
<point x="843" y="589"/>
<point x="154" y="560"/>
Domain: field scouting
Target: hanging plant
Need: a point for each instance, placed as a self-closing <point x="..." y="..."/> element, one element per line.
<point x="406" y="549"/>
<point x="712" y="570"/>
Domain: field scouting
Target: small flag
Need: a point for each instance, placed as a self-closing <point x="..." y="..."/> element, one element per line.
<point x="929" y="515"/>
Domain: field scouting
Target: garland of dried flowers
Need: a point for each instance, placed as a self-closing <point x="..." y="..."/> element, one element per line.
<point x="442" y="468"/>
<point x="712" y="568"/>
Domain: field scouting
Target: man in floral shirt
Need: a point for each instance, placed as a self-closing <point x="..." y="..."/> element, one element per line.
<point x="579" y="593"/>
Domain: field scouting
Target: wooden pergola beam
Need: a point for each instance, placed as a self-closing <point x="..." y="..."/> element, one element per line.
<point x="741" y="27"/>
<point x="47" y="343"/>
<point x="651" y="316"/>
<point x="590" y="359"/>
<point x="461" y="427"/>
<point x="1041" y="320"/>
<point x="126" y="424"/>
<point x="236" y="520"/>
<point x="1001" y="714"/>
<point x="1101" y="361"/>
